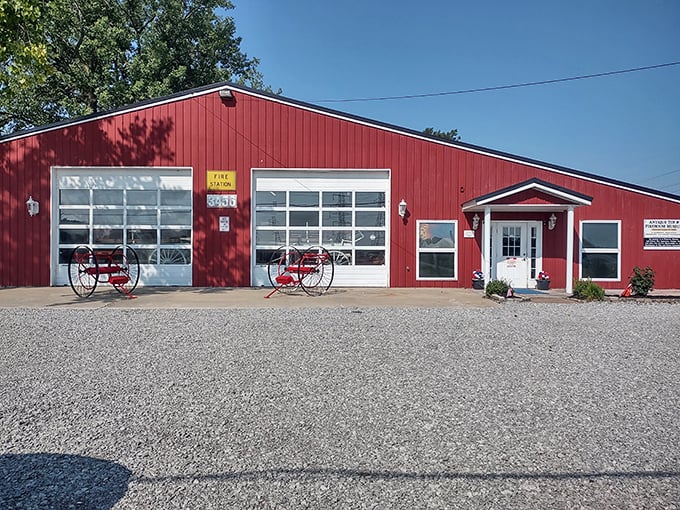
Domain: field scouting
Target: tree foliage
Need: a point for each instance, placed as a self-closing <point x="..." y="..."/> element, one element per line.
<point x="447" y="135"/>
<point x="23" y="50"/>
<point x="101" y="54"/>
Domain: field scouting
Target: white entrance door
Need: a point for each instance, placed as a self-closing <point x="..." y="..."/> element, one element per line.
<point x="516" y="252"/>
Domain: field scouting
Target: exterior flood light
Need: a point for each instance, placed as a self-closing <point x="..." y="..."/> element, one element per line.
<point x="552" y="221"/>
<point x="402" y="208"/>
<point x="33" y="206"/>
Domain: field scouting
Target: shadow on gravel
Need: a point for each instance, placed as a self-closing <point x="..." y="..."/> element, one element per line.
<point x="302" y="473"/>
<point x="45" y="480"/>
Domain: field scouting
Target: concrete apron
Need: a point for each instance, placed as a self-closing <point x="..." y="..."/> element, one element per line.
<point x="193" y="297"/>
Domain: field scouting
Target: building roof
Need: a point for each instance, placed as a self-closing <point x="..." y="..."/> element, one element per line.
<point x="565" y="196"/>
<point x="216" y="87"/>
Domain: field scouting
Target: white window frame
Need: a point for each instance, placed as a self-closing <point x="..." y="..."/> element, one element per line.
<point x="453" y="250"/>
<point x="617" y="250"/>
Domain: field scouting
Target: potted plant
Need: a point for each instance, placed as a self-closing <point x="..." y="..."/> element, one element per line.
<point x="543" y="281"/>
<point x="477" y="280"/>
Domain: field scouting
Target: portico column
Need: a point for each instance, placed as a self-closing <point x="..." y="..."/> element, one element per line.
<point x="570" y="249"/>
<point x="486" y="247"/>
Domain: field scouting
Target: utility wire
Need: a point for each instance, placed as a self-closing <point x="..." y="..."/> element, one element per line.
<point x="500" y="87"/>
<point x="661" y="175"/>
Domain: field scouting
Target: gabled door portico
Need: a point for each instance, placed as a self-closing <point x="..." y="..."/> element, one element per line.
<point x="515" y="219"/>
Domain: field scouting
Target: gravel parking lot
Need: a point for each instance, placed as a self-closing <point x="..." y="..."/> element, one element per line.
<point x="522" y="405"/>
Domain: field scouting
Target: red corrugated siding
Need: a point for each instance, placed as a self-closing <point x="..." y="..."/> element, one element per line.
<point x="206" y="134"/>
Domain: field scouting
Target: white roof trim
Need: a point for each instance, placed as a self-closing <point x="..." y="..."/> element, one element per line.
<point x="533" y="185"/>
<point x="105" y="115"/>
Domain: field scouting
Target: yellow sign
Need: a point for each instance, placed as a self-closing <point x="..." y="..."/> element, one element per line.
<point x="221" y="180"/>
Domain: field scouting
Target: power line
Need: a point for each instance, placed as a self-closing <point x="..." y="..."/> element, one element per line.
<point x="500" y="87"/>
<point x="661" y="175"/>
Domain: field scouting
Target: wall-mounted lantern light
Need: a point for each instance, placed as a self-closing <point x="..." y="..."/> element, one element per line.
<point x="33" y="206"/>
<point x="552" y="221"/>
<point x="402" y="208"/>
<point x="475" y="222"/>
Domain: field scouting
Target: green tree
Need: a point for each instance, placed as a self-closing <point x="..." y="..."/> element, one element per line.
<point x="101" y="54"/>
<point x="23" y="49"/>
<point x="22" y="46"/>
<point x="447" y="135"/>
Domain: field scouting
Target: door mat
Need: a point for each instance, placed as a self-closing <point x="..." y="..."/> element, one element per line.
<point x="529" y="291"/>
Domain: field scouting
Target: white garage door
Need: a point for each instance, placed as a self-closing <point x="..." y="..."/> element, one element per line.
<point x="149" y="209"/>
<point x="345" y="211"/>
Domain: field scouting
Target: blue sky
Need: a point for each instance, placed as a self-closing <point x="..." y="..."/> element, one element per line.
<point x="626" y="127"/>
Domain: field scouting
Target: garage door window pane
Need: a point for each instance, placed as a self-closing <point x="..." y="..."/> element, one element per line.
<point x="170" y="256"/>
<point x="304" y="199"/>
<point x="337" y="199"/>
<point x="175" y="218"/>
<point x="271" y="198"/>
<point x="140" y="236"/>
<point x="304" y="218"/>
<point x="138" y="197"/>
<point x="74" y="197"/>
<point x="74" y="217"/>
<point x="271" y="237"/>
<point x="263" y="257"/>
<point x="107" y="236"/>
<point x="370" y="219"/>
<point x="182" y="197"/>
<point x="370" y="199"/>
<point x="337" y="238"/>
<point x="175" y="236"/>
<point x="74" y="236"/>
<point x="370" y="238"/>
<point x="270" y="218"/>
<point x="304" y="237"/>
<point x="142" y="217"/>
<point x="107" y="197"/>
<point x="370" y="257"/>
<point x="106" y="217"/>
<point x="337" y="219"/>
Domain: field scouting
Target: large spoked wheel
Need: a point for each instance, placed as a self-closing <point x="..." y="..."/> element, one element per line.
<point x="316" y="271"/>
<point x="83" y="271"/>
<point x="167" y="256"/>
<point x="340" y="258"/>
<point x="125" y="258"/>
<point x="283" y="268"/>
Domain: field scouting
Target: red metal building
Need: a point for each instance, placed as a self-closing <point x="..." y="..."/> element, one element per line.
<point x="207" y="183"/>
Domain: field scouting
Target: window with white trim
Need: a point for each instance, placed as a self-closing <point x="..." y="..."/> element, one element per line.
<point x="156" y="222"/>
<point x="350" y="224"/>
<point x="436" y="250"/>
<point x="600" y="250"/>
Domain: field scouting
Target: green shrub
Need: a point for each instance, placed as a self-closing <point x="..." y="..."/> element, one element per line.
<point x="586" y="289"/>
<point x="499" y="287"/>
<point x="642" y="280"/>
